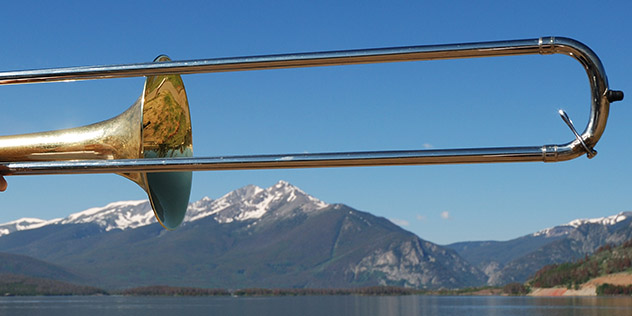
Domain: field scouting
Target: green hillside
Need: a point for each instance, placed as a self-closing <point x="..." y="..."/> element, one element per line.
<point x="605" y="260"/>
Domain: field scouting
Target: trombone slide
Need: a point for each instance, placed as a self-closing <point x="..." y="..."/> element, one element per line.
<point x="151" y="143"/>
<point x="601" y="97"/>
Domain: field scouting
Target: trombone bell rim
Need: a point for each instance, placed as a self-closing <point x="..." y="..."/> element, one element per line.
<point x="165" y="133"/>
<point x="164" y="168"/>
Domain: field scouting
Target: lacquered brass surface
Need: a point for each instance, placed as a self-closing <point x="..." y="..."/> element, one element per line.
<point x="151" y="142"/>
<point x="117" y="138"/>
<point x="166" y="133"/>
<point x="157" y="125"/>
<point x="600" y="99"/>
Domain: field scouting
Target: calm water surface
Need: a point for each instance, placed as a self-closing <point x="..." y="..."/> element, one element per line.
<point x="316" y="305"/>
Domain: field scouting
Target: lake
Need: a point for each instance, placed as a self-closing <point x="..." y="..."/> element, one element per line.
<point x="316" y="305"/>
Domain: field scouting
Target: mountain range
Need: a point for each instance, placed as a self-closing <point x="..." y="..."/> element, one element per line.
<point x="518" y="259"/>
<point x="252" y="237"/>
<point x="278" y="237"/>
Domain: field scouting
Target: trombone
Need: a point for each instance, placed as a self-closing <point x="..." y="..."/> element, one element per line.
<point x="150" y="143"/>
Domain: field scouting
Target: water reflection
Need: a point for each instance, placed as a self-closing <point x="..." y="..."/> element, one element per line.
<point x="317" y="305"/>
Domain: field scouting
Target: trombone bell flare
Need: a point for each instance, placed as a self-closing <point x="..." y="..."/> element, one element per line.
<point x="166" y="133"/>
<point x="151" y="143"/>
<point x="157" y="125"/>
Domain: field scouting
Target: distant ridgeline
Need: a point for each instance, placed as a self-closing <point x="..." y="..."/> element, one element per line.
<point x="280" y="237"/>
<point x="605" y="260"/>
<point x="20" y="285"/>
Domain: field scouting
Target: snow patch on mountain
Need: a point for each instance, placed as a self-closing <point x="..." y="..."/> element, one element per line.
<point x="252" y="202"/>
<point x="118" y="215"/>
<point x="568" y="227"/>
<point x="23" y="224"/>
<point x="247" y="203"/>
<point x="610" y="220"/>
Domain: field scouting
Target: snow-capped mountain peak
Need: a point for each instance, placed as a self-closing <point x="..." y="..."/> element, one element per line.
<point x="609" y="220"/>
<point x="247" y="203"/>
<point x="117" y="215"/>
<point x="253" y="202"/>
<point x="22" y="224"/>
<point x="566" y="228"/>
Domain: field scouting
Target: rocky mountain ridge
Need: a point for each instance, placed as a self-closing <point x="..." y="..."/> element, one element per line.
<point x="294" y="239"/>
<point x="249" y="202"/>
<point x="251" y="237"/>
<point x="518" y="259"/>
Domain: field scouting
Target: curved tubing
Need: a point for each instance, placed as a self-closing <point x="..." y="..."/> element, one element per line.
<point x="601" y="97"/>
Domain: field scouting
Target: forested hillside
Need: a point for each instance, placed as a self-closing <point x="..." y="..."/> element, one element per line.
<point x="607" y="259"/>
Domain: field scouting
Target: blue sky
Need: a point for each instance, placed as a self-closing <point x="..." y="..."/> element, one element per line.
<point x="440" y="104"/>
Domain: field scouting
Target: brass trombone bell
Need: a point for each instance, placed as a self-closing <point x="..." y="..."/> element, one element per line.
<point x="157" y="125"/>
<point x="151" y="142"/>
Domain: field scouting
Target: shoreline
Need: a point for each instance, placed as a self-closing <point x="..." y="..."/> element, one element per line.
<point x="588" y="288"/>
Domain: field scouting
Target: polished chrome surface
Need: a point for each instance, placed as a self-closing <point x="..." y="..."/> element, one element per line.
<point x="548" y="153"/>
<point x="589" y="151"/>
<point x="338" y="159"/>
<point x="546" y="45"/>
<point x="599" y="108"/>
<point x="151" y="142"/>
